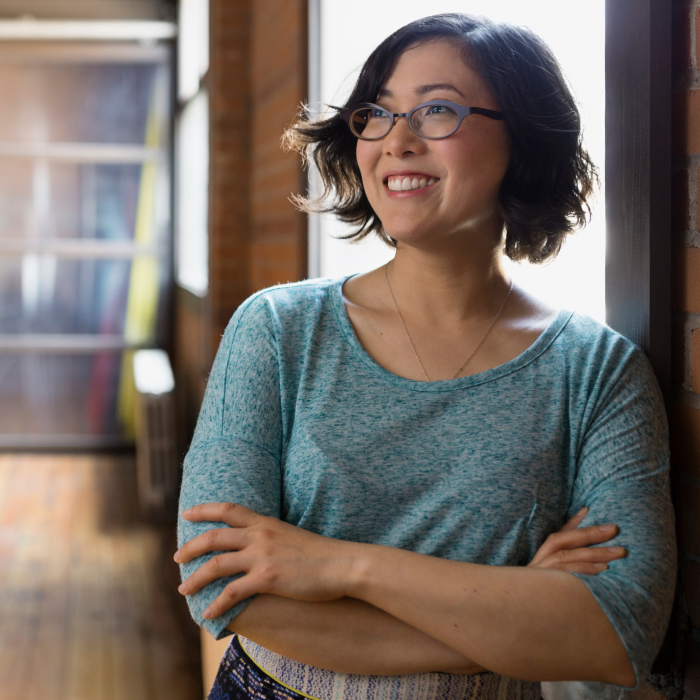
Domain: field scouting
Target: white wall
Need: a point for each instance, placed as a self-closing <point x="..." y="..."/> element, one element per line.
<point x="349" y="31"/>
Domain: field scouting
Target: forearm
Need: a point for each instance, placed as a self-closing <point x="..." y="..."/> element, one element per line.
<point x="347" y="636"/>
<point x="527" y="623"/>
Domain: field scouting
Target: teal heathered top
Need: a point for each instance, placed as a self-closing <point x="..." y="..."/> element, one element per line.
<point x="300" y="423"/>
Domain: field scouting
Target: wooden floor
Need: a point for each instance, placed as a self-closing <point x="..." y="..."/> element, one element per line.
<point x="88" y="602"/>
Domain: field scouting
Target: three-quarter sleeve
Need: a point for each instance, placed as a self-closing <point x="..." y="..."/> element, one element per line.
<point x="235" y="453"/>
<point x="623" y="478"/>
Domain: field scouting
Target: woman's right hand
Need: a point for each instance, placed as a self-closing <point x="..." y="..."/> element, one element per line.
<point x="571" y="548"/>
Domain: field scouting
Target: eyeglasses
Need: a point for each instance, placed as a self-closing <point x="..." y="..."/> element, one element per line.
<point x="436" y="119"/>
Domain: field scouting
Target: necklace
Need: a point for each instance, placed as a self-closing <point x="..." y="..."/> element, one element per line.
<point x="410" y="341"/>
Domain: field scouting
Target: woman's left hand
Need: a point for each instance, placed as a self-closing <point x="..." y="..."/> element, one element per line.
<point x="274" y="557"/>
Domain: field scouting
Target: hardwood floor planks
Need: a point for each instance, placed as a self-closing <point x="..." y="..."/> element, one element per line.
<point x="88" y="606"/>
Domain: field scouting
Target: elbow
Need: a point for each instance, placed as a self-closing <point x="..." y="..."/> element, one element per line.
<point x="617" y="666"/>
<point x="624" y="675"/>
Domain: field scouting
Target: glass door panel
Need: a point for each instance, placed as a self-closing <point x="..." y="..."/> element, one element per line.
<point x="50" y="294"/>
<point x="75" y="102"/>
<point x="84" y="236"/>
<point x="48" y="397"/>
<point x="44" y="199"/>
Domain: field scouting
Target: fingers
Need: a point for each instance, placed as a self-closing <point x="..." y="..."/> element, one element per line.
<point x="585" y="568"/>
<point x="230" y="513"/>
<point x="575" y="539"/>
<point x="575" y="521"/>
<point x="589" y="560"/>
<point x="233" y="593"/>
<point x="219" y="566"/>
<point x="219" y="539"/>
<point x="589" y="555"/>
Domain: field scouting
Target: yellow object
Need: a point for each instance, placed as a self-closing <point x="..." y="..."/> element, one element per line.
<point x="142" y="301"/>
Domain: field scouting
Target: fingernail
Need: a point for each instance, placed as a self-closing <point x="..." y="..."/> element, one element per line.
<point x="176" y="556"/>
<point x="582" y="511"/>
<point x="616" y="550"/>
<point x="600" y="567"/>
<point x="606" y="528"/>
<point x="206" y="614"/>
<point x="182" y="588"/>
<point x="186" y="513"/>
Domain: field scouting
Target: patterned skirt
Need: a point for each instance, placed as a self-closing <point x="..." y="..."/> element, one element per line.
<point x="251" y="672"/>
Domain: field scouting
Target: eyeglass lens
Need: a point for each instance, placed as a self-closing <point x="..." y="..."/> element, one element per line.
<point x="431" y="121"/>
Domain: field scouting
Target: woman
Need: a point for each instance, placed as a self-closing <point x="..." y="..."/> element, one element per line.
<point x="381" y="456"/>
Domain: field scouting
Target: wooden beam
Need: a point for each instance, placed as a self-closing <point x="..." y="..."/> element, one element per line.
<point x="638" y="176"/>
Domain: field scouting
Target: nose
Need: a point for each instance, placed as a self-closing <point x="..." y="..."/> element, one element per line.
<point x="401" y="141"/>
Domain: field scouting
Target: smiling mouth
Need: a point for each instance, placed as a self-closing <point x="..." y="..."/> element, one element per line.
<point x="405" y="184"/>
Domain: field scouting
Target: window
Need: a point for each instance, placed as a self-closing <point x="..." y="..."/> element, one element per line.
<point x="192" y="149"/>
<point x="341" y="38"/>
<point x="84" y="226"/>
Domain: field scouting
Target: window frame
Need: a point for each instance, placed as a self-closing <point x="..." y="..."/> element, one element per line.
<point x="638" y="260"/>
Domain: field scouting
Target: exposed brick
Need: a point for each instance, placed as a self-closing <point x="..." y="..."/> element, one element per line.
<point x="688" y="522"/>
<point x="191" y="361"/>
<point x="686" y="123"/>
<point x="681" y="39"/>
<point x="695" y="361"/>
<point x="687" y="280"/>
<point x="678" y="354"/>
<point x="278" y="76"/>
<point x="697" y="33"/>
<point x="256" y="82"/>
<point x="681" y="205"/>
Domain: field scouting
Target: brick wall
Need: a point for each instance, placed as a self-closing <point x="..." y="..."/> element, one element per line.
<point x="278" y="79"/>
<point x="228" y="82"/>
<point x="684" y="413"/>
<point x="256" y="83"/>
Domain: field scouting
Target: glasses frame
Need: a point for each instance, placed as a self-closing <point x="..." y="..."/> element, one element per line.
<point x="461" y="110"/>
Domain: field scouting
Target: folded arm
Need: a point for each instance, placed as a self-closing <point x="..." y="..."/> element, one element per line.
<point x="421" y="613"/>
<point x="346" y="636"/>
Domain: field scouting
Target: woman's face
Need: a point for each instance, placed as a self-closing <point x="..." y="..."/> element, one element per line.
<point x="467" y="167"/>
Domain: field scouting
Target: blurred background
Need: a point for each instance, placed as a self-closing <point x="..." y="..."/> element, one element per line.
<point x="143" y="197"/>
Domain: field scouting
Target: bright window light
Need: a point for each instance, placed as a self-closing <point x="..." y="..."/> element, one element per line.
<point x="152" y="372"/>
<point x="350" y="31"/>
<point x="193" y="47"/>
<point x="192" y="155"/>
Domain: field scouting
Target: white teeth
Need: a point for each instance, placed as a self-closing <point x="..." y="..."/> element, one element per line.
<point x="405" y="184"/>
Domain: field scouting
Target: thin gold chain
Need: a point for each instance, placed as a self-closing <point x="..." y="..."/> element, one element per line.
<point x="410" y="341"/>
<point x="408" y="335"/>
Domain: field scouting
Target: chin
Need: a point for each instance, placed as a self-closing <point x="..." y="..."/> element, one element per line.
<point x="411" y="237"/>
<point x="407" y="228"/>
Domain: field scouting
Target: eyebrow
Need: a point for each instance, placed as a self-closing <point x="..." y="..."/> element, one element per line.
<point x="424" y="89"/>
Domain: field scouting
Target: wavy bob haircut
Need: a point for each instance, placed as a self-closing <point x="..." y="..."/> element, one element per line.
<point x="544" y="195"/>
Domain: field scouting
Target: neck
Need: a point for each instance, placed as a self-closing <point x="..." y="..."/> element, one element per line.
<point x="450" y="286"/>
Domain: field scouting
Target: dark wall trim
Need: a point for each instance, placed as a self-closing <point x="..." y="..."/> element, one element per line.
<point x="638" y="176"/>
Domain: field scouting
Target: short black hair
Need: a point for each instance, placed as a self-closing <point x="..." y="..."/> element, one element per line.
<point x="546" y="190"/>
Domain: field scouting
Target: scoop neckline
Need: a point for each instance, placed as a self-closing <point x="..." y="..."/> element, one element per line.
<point x="544" y="340"/>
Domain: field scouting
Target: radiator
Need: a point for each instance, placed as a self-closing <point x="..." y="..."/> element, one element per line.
<point x="156" y="455"/>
